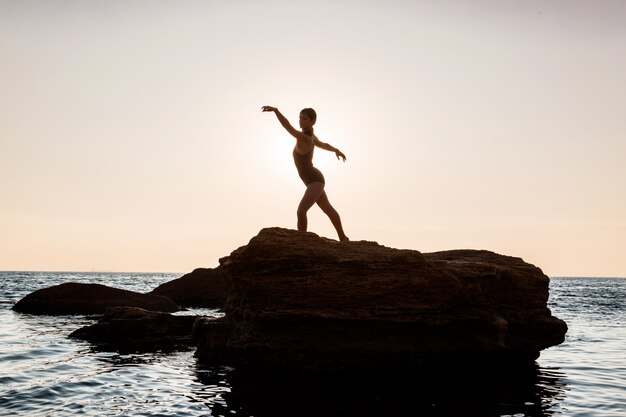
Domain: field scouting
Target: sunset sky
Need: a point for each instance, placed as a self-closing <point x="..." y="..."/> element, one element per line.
<point x="132" y="137"/>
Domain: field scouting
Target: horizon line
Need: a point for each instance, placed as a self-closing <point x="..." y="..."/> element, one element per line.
<point x="179" y="272"/>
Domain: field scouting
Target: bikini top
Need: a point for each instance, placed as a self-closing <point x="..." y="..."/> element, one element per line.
<point x="305" y="160"/>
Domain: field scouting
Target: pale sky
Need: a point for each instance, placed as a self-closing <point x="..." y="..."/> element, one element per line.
<point x="131" y="136"/>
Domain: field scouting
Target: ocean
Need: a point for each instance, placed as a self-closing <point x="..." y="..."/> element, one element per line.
<point x="44" y="373"/>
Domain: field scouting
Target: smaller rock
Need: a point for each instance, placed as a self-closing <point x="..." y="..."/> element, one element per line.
<point x="200" y="288"/>
<point x="211" y="337"/>
<point x="132" y="329"/>
<point x="77" y="298"/>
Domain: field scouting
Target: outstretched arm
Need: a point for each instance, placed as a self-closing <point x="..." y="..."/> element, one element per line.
<point x="328" y="147"/>
<point x="283" y="121"/>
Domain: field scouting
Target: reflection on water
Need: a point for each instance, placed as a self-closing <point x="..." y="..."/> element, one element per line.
<point x="523" y="392"/>
<point x="551" y="388"/>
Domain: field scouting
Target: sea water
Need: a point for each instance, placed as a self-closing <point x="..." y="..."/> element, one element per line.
<point x="45" y="373"/>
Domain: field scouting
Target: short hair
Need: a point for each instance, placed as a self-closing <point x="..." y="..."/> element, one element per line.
<point x="310" y="114"/>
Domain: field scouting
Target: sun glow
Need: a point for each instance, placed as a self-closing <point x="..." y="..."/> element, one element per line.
<point x="276" y="154"/>
<point x="276" y="147"/>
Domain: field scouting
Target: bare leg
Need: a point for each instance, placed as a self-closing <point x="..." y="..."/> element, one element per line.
<point x="332" y="214"/>
<point x="310" y="197"/>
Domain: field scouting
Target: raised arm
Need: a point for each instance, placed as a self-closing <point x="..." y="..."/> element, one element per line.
<point x="328" y="147"/>
<point x="283" y="121"/>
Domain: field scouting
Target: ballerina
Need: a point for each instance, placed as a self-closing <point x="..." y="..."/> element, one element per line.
<point x="306" y="141"/>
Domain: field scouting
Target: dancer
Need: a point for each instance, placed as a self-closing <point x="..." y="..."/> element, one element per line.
<point x="306" y="141"/>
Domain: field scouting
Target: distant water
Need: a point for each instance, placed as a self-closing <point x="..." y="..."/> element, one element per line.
<point x="44" y="373"/>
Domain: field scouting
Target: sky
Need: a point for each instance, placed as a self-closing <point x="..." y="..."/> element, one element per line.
<point x="131" y="136"/>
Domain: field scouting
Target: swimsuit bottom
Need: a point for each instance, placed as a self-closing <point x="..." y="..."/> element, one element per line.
<point x="311" y="175"/>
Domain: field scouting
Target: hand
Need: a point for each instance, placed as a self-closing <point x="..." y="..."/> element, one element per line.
<point x="340" y="154"/>
<point x="268" y="108"/>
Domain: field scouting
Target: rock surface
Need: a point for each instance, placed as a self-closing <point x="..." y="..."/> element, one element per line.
<point x="76" y="298"/>
<point x="135" y="329"/>
<point x="298" y="301"/>
<point x="201" y="288"/>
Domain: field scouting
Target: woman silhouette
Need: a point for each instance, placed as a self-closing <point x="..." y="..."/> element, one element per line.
<point x="306" y="141"/>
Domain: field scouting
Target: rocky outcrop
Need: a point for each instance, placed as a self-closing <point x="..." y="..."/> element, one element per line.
<point x="130" y="329"/>
<point x="298" y="301"/>
<point x="76" y="298"/>
<point x="201" y="288"/>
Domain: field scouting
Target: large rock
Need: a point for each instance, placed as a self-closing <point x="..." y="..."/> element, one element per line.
<point x="298" y="301"/>
<point x="201" y="288"/>
<point x="134" y="329"/>
<point x="76" y="298"/>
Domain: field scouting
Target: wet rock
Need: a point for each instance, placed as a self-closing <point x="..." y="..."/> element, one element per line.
<point x="298" y="301"/>
<point x="77" y="298"/>
<point x="201" y="288"/>
<point x="131" y="329"/>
